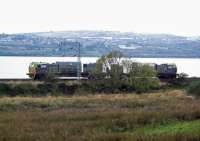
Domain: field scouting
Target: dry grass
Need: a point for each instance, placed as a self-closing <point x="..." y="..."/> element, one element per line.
<point x="100" y="117"/>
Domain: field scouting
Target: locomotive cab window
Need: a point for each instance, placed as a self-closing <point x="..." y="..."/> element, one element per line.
<point x="43" y="66"/>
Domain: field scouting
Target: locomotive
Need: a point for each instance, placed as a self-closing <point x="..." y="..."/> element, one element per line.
<point x="39" y="70"/>
<point x="166" y="70"/>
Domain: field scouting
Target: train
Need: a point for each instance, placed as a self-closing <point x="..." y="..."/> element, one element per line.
<point x="166" y="70"/>
<point x="39" y="70"/>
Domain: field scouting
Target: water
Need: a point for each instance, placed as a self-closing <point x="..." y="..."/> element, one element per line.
<point x="17" y="67"/>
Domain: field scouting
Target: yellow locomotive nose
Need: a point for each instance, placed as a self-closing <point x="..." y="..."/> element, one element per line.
<point x="32" y="70"/>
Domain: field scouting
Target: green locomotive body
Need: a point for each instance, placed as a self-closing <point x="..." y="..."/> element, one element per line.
<point x="39" y="70"/>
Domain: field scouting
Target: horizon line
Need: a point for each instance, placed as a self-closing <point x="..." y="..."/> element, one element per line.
<point x="99" y="30"/>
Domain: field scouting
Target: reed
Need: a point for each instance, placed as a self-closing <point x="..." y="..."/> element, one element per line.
<point x="170" y="115"/>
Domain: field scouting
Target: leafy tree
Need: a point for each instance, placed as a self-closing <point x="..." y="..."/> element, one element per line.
<point x="108" y="65"/>
<point x="143" y="77"/>
<point x="108" y="72"/>
<point x="121" y="73"/>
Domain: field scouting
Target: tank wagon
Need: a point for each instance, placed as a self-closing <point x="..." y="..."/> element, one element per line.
<point x="38" y="70"/>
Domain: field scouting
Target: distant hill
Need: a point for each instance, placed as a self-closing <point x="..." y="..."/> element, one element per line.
<point x="96" y="43"/>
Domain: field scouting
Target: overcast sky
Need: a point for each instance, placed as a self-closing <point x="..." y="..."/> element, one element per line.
<point x="180" y="17"/>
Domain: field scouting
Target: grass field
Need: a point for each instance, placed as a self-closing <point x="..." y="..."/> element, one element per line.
<point x="166" y="116"/>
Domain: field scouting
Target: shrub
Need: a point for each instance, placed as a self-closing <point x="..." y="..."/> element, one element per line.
<point x="67" y="89"/>
<point x="144" y="84"/>
<point x="143" y="78"/>
<point x="25" y="89"/>
<point x="194" y="88"/>
<point x="44" y="88"/>
<point x="5" y="89"/>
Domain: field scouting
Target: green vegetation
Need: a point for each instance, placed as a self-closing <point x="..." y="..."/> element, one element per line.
<point x="169" y="115"/>
<point x="172" y="128"/>
<point x="138" y="77"/>
<point x="46" y="88"/>
<point x="194" y="88"/>
<point x="89" y="110"/>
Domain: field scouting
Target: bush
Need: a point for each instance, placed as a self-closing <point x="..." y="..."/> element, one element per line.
<point x="143" y="78"/>
<point x="5" y="89"/>
<point x="194" y="88"/>
<point x="43" y="89"/>
<point x="67" y="89"/>
<point x="146" y="84"/>
<point x="25" y="89"/>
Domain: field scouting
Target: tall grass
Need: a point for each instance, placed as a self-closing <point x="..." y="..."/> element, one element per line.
<point x="157" y="116"/>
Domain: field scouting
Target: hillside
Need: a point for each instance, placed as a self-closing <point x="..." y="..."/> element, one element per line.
<point x="97" y="43"/>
